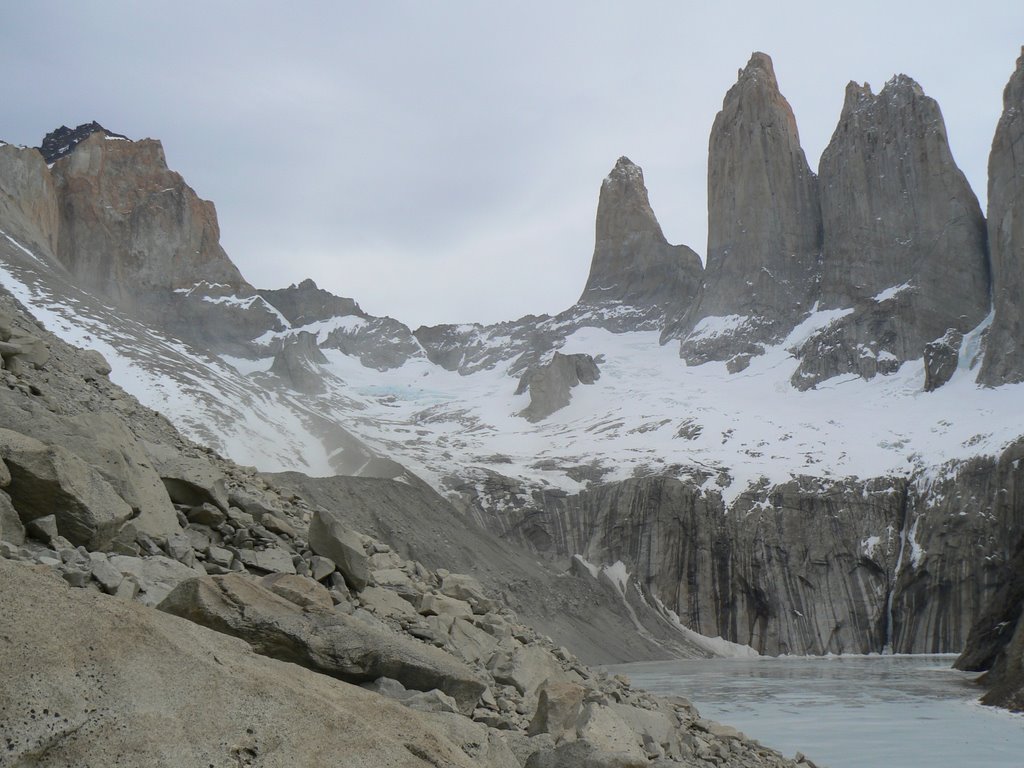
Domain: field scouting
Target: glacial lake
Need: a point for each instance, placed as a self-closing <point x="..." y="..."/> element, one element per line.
<point x="848" y="711"/>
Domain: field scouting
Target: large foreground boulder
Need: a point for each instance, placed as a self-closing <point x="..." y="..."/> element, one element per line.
<point x="50" y="480"/>
<point x="327" y="641"/>
<point x="91" y="680"/>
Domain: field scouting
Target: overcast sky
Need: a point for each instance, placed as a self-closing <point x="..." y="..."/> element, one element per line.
<point x="441" y="161"/>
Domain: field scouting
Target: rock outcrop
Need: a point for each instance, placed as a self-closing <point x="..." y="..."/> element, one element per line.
<point x="550" y="385"/>
<point x="321" y="639"/>
<point x="59" y="142"/>
<point x="904" y="236"/>
<point x="132" y="229"/>
<point x="633" y="263"/>
<point x="1004" y="355"/>
<point x="29" y="209"/>
<point x="297" y="363"/>
<point x="995" y="645"/>
<point x="307" y="303"/>
<point x="764" y="222"/>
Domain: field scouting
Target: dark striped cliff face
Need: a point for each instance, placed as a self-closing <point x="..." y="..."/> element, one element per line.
<point x="1004" y="358"/>
<point x="812" y="566"/>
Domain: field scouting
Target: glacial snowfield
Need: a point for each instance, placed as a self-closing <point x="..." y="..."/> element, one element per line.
<point x="648" y="414"/>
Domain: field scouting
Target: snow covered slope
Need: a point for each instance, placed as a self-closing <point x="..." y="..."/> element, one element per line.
<point x="648" y="414"/>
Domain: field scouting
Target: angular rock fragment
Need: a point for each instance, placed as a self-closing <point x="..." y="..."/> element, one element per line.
<point x="328" y="642"/>
<point x="49" y="480"/>
<point x="328" y="537"/>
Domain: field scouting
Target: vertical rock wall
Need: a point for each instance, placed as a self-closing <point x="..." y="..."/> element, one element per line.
<point x="904" y="236"/>
<point x="1004" y="357"/>
<point x="764" y="218"/>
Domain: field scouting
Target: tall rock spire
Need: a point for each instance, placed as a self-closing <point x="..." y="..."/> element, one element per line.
<point x="764" y="220"/>
<point x="1004" y="355"/>
<point x="633" y="262"/>
<point x="904" y="236"/>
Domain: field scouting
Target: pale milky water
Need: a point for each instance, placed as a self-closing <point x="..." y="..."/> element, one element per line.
<point x="848" y="711"/>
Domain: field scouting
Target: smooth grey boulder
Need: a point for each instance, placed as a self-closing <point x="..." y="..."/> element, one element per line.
<point x="550" y="384"/>
<point x="559" y="706"/>
<point x="326" y="641"/>
<point x="189" y="480"/>
<point x="297" y="363"/>
<point x="156" y="575"/>
<point x="328" y="537"/>
<point x="633" y="263"/>
<point x="167" y="692"/>
<point x="764" y="223"/>
<point x="527" y="667"/>
<point x="301" y="590"/>
<point x="1004" y="353"/>
<point x="904" y="237"/>
<point x="461" y="586"/>
<point x="50" y="480"/>
<point x="105" y="441"/>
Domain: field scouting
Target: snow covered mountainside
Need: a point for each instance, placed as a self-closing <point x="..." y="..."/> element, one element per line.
<point x="807" y="446"/>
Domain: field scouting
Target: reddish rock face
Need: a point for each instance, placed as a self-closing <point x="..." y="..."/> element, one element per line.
<point x="130" y="227"/>
<point x="1004" y="358"/>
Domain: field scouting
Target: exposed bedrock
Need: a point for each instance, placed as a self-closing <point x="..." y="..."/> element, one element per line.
<point x="550" y="385"/>
<point x="307" y="303"/>
<point x="633" y="263"/>
<point x="764" y="218"/>
<point x="809" y="566"/>
<point x="130" y="225"/>
<point x="29" y="210"/>
<point x="996" y="643"/>
<point x="1004" y="356"/>
<point x="904" y="237"/>
<point x="298" y="361"/>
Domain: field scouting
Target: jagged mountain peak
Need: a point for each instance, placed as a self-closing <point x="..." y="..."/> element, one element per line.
<point x="902" y="83"/>
<point x="61" y="141"/>
<point x="759" y="65"/>
<point x="764" y="222"/>
<point x="625" y="170"/>
<point x="633" y="263"/>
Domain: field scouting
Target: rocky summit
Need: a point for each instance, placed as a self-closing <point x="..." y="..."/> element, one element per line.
<point x="764" y="220"/>
<point x="807" y="447"/>
<point x="633" y="263"/>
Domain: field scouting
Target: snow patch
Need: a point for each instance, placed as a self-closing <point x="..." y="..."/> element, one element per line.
<point x="891" y="292"/>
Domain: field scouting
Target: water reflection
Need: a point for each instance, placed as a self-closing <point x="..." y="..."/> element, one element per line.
<point x="846" y="711"/>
